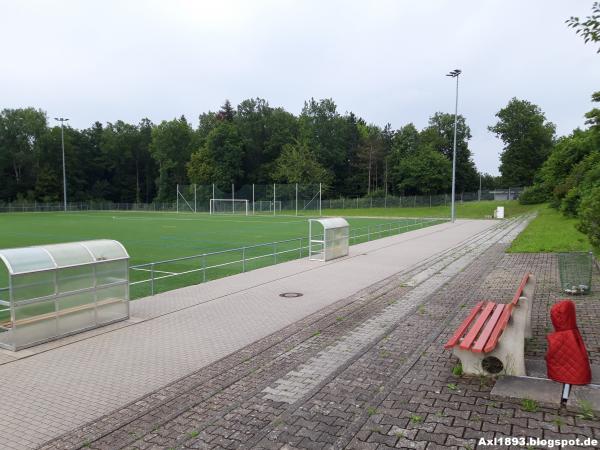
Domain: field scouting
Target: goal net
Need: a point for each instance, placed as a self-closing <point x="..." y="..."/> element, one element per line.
<point x="228" y="206"/>
<point x="266" y="206"/>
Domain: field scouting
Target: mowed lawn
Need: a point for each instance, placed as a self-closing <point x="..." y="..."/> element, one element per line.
<point x="550" y="231"/>
<point x="155" y="236"/>
<point x="468" y="210"/>
<point x="151" y="237"/>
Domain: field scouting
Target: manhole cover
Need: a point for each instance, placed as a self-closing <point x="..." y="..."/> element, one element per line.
<point x="291" y="294"/>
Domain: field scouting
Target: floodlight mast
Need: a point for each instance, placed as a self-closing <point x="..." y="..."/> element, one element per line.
<point x="62" y="120"/>
<point x="454" y="74"/>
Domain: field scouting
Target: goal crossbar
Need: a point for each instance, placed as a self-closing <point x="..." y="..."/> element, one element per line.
<point x="228" y="206"/>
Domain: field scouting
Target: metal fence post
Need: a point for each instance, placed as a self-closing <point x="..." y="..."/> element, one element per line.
<point x="368" y="233"/>
<point x="275" y="251"/>
<point x="152" y="279"/>
<point x="320" y="199"/>
<point x="203" y="268"/>
<point x="243" y="259"/>
<point x="300" y="247"/>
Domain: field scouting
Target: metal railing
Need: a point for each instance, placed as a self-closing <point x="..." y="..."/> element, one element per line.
<point x="238" y="260"/>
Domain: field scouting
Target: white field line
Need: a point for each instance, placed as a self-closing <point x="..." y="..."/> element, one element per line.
<point x="247" y="221"/>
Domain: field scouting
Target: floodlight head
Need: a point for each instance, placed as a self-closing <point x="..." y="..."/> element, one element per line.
<point x="454" y="73"/>
<point x="61" y="119"/>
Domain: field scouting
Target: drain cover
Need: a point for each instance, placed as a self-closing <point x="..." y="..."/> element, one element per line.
<point x="291" y="294"/>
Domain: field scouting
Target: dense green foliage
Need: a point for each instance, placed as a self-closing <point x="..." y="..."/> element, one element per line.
<point x="533" y="195"/>
<point x="528" y="140"/>
<point x="570" y="177"/>
<point x="253" y="143"/>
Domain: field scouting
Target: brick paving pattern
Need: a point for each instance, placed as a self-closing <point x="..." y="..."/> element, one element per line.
<point x="72" y="383"/>
<point x="366" y="372"/>
<point x="396" y="391"/>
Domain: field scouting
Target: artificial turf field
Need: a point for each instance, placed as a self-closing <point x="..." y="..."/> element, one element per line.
<point x="151" y="237"/>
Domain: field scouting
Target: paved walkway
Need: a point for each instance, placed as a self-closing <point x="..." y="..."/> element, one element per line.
<point x="365" y="372"/>
<point x="75" y="381"/>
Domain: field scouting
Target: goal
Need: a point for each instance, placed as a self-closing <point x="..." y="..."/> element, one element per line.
<point x="268" y="206"/>
<point x="228" y="206"/>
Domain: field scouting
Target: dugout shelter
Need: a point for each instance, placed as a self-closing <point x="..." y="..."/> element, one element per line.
<point x="61" y="289"/>
<point x="328" y="238"/>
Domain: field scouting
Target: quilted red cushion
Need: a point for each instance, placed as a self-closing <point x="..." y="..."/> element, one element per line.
<point x="567" y="358"/>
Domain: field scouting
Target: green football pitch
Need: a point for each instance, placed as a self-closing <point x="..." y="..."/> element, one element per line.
<point x="152" y="237"/>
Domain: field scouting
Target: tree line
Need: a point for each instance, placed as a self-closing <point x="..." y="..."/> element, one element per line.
<point x="254" y="143"/>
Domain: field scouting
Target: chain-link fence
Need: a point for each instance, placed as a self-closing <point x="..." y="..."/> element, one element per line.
<point x="288" y="199"/>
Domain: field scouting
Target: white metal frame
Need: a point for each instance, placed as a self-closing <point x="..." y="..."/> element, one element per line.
<point x="185" y="202"/>
<point x="96" y="261"/>
<point x="241" y="256"/>
<point x="233" y="201"/>
<point x="272" y="205"/>
<point x="331" y="248"/>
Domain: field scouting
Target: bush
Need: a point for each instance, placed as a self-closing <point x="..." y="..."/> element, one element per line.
<point x="589" y="215"/>
<point x="584" y="176"/>
<point x="534" y="195"/>
<point x="570" y="203"/>
<point x="376" y="193"/>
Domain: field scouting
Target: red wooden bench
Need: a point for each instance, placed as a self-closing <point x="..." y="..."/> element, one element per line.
<point x="492" y="337"/>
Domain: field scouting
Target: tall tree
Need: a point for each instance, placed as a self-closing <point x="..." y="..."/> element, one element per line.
<point x="21" y="131"/>
<point x="528" y="139"/>
<point x="370" y="157"/>
<point x="220" y="159"/>
<point x="405" y="142"/>
<point x="325" y="131"/>
<point x="171" y="147"/>
<point x="298" y="164"/>
<point x="424" y="172"/>
<point x="439" y="136"/>
<point x="227" y="112"/>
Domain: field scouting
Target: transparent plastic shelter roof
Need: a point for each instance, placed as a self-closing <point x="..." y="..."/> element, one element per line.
<point x="332" y="222"/>
<point x="56" y="256"/>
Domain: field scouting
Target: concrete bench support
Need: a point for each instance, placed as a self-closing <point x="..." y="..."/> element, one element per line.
<point x="491" y="340"/>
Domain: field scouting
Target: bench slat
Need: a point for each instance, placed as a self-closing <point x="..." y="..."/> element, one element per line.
<point x="499" y="328"/>
<point x="474" y="331"/>
<point x="489" y="327"/>
<point x="455" y="339"/>
<point x="519" y="292"/>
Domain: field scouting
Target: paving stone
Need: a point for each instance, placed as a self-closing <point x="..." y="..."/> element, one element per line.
<point x="543" y="392"/>
<point x="394" y="386"/>
<point x="584" y="398"/>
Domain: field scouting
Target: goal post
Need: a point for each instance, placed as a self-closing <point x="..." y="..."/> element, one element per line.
<point x="267" y="206"/>
<point x="228" y="206"/>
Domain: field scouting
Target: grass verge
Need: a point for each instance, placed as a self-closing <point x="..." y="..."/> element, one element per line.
<point x="550" y="231"/>
<point x="469" y="210"/>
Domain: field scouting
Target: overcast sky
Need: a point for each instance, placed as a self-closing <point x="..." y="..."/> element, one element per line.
<point x="384" y="60"/>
